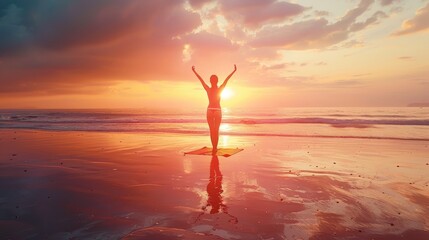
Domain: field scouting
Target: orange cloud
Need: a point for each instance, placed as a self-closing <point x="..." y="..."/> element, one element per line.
<point x="419" y="22"/>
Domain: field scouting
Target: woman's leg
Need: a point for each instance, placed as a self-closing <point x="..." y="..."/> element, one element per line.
<point x="210" y="121"/>
<point x="217" y="121"/>
<point x="214" y="119"/>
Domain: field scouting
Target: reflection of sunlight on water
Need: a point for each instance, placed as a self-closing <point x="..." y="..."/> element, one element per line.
<point x="241" y="179"/>
<point x="225" y="111"/>
<point x="225" y="127"/>
<point x="187" y="166"/>
<point x="201" y="193"/>
<point x="225" y="140"/>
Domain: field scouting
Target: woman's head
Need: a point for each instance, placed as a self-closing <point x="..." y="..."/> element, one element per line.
<point x="213" y="80"/>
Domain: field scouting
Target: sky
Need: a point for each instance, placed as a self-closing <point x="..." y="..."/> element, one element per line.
<point x="139" y="54"/>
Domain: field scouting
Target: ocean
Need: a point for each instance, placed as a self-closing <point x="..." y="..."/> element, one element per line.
<point x="407" y="123"/>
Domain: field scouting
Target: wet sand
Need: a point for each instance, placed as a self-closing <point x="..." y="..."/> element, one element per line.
<point x="90" y="185"/>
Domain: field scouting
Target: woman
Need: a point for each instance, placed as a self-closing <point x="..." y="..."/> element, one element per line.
<point x="214" y="111"/>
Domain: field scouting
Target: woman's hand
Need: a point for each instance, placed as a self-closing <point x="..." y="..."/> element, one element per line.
<point x="235" y="68"/>
<point x="193" y="68"/>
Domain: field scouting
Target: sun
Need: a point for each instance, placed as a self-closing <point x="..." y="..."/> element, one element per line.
<point x="227" y="93"/>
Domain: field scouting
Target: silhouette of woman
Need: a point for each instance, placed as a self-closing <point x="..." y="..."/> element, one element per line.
<point x="214" y="111"/>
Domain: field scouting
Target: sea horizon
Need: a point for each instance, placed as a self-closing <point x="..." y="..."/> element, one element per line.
<point x="374" y="122"/>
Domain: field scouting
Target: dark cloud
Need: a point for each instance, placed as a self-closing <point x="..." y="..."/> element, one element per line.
<point x="14" y="35"/>
<point x="63" y="24"/>
<point x="63" y="45"/>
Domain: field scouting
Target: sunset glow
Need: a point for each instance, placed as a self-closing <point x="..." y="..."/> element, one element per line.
<point x="306" y="53"/>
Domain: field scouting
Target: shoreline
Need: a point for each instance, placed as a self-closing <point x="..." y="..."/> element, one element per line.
<point x="205" y="133"/>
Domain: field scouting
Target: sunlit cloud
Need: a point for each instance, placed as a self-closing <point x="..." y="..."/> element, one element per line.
<point x="187" y="52"/>
<point x="419" y="22"/>
<point x="317" y="33"/>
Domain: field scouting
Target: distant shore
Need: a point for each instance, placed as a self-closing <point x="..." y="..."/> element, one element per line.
<point x="418" y="105"/>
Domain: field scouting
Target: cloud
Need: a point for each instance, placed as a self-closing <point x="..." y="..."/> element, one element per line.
<point x="301" y="35"/>
<point x="211" y="51"/>
<point x="318" y="13"/>
<point x="419" y="22"/>
<point x="388" y="2"/>
<point x="98" y="22"/>
<point x="13" y="34"/>
<point x="277" y="66"/>
<point x="352" y="44"/>
<point x="373" y="19"/>
<point x="205" y="41"/>
<point x="321" y="63"/>
<point x="396" y="10"/>
<point x="253" y="14"/>
<point x="405" y="58"/>
<point x="64" y="46"/>
<point x="197" y="4"/>
<point x="69" y="24"/>
<point x="260" y="54"/>
<point x="316" y="33"/>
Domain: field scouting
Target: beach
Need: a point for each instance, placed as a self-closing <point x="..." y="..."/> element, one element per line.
<point x="214" y="120"/>
<point x="134" y="185"/>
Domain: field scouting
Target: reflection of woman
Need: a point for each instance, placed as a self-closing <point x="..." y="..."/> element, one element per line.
<point x="214" y="188"/>
<point x="214" y="191"/>
<point x="214" y="111"/>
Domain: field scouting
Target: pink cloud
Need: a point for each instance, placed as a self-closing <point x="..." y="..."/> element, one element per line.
<point x="419" y="22"/>
<point x="197" y="4"/>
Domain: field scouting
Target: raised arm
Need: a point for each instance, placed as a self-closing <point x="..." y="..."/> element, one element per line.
<point x="199" y="77"/>
<point x="227" y="78"/>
